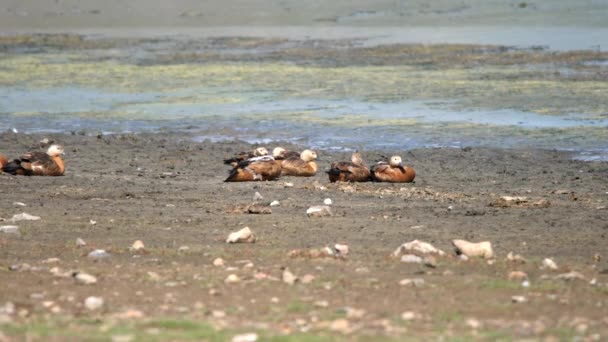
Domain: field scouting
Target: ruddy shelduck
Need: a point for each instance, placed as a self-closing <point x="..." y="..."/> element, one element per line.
<point x="301" y="166"/>
<point x="255" y="169"/>
<point x="280" y="153"/>
<point x="38" y="163"/>
<point x="393" y="172"/>
<point x="242" y="156"/>
<point x="353" y="171"/>
<point x="3" y="161"/>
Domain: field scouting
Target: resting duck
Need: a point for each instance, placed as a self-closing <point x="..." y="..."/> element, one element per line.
<point x="353" y="171"/>
<point x="242" y="156"/>
<point x="280" y="153"/>
<point x="255" y="169"/>
<point x="38" y="163"/>
<point x="302" y="166"/>
<point x="3" y="161"/>
<point x="394" y="171"/>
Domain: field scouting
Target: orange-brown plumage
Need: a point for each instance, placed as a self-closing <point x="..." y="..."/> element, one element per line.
<point x="353" y="171"/>
<point x="38" y="163"/>
<point x="3" y="161"/>
<point x="393" y="172"/>
<point x="280" y="153"/>
<point x="255" y="169"/>
<point x="303" y="166"/>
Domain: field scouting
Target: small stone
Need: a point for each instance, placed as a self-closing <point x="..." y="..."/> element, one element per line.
<point x="288" y="277"/>
<point x="308" y="278"/>
<point x="275" y="203"/>
<point x="257" y="197"/>
<point x="98" y="254"/>
<point x="319" y="211"/>
<point x="92" y="222"/>
<point x="430" y="261"/>
<point x="480" y="249"/>
<point x="328" y="201"/>
<point x="137" y="246"/>
<point x="473" y="323"/>
<point x="232" y="279"/>
<point x="463" y="257"/>
<point x="525" y="283"/>
<point x="93" y="303"/>
<point x="84" y="278"/>
<point x="415" y="282"/>
<point x="341" y="249"/>
<point x="288" y="184"/>
<point x="248" y="337"/>
<point x="518" y="299"/>
<point x="24" y="217"/>
<point x="549" y="264"/>
<point x="416" y="246"/>
<point x="409" y="315"/>
<point x="130" y="314"/>
<point x="183" y="249"/>
<point x="153" y="276"/>
<point x="218" y="314"/>
<point x="219" y="262"/>
<point x="321" y="303"/>
<point x="353" y="313"/>
<point x="19" y="204"/>
<point x="517" y="275"/>
<point x="58" y="272"/>
<point x="50" y="261"/>
<point x="573" y="275"/>
<point x="411" y="259"/>
<point x="244" y="235"/>
<point x="10" y="230"/>
<point x="80" y="242"/>
<point x="515" y="258"/>
<point x="340" y="325"/>
<point x="259" y="209"/>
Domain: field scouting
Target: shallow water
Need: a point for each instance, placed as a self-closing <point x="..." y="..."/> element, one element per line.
<point x="387" y="107"/>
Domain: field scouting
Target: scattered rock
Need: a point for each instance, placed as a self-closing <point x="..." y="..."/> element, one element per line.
<point x="572" y="275"/>
<point x="429" y="261"/>
<point x="123" y="338"/>
<point x="341" y="249"/>
<point x="321" y="304"/>
<point x="319" y="211"/>
<point x="275" y="203"/>
<point x="10" y="230"/>
<point x="473" y="323"/>
<point x="92" y="222"/>
<point x="308" y="278"/>
<point x="19" y="204"/>
<point x="409" y="315"/>
<point x="130" y="314"/>
<point x="248" y="337"/>
<point x="417" y="246"/>
<point x="50" y="260"/>
<point x="470" y="249"/>
<point x="328" y="201"/>
<point x="137" y="246"/>
<point x="411" y="259"/>
<point x="183" y="249"/>
<point x="549" y="264"/>
<point x="354" y="313"/>
<point x="515" y="258"/>
<point x="259" y="209"/>
<point x="98" y="254"/>
<point x="340" y="325"/>
<point x="93" y="303"/>
<point x="58" y="272"/>
<point x="84" y="278"/>
<point x="517" y="275"/>
<point x="257" y="197"/>
<point x="518" y="299"/>
<point x="519" y="202"/>
<point x="244" y="235"/>
<point x="24" y="217"/>
<point x="219" y="262"/>
<point x="288" y="277"/>
<point x="153" y="276"/>
<point x="415" y="282"/>
<point x="288" y="185"/>
<point x="80" y="242"/>
<point x="232" y="279"/>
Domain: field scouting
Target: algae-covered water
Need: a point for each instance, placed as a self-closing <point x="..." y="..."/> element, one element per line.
<point x="339" y="94"/>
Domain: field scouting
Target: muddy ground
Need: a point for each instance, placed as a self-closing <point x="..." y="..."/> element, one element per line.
<point x="169" y="192"/>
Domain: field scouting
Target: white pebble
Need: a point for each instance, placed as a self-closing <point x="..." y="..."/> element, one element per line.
<point x="328" y="201"/>
<point x="93" y="303"/>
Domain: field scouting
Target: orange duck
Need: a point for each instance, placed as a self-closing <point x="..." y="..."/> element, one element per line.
<point x="255" y="169"/>
<point x="38" y="163"/>
<point x="280" y="153"/>
<point x="3" y="161"/>
<point x="301" y="166"/>
<point x="242" y="156"/>
<point x="353" y="171"/>
<point x="393" y="172"/>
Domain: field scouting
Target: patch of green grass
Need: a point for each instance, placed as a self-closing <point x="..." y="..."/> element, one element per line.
<point x="499" y="284"/>
<point x="298" y="306"/>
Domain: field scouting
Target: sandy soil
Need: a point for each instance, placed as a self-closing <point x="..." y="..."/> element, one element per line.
<point x="168" y="192"/>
